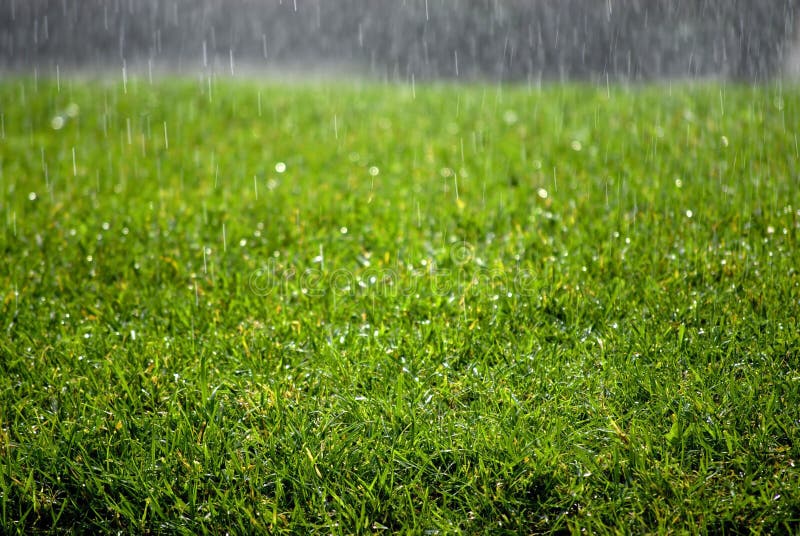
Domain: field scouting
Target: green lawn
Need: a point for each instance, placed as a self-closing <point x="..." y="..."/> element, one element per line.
<point x="347" y="308"/>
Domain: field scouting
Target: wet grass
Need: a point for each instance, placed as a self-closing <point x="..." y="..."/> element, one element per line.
<point x="345" y="309"/>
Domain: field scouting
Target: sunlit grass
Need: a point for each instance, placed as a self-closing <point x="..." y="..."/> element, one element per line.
<point x="257" y="307"/>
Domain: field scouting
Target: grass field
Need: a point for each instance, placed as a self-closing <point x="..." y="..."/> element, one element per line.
<point x="346" y="308"/>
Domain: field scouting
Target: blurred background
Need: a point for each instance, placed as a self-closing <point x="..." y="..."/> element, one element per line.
<point x="401" y="40"/>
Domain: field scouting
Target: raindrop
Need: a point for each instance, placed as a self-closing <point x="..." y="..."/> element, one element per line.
<point x="320" y="259"/>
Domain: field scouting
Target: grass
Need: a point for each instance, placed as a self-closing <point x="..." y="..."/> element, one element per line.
<point x="354" y="308"/>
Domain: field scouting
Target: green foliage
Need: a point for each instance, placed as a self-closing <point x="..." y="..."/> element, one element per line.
<point x="354" y="309"/>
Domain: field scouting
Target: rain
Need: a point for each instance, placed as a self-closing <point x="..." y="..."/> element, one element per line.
<point x="407" y="266"/>
<point x="407" y="41"/>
